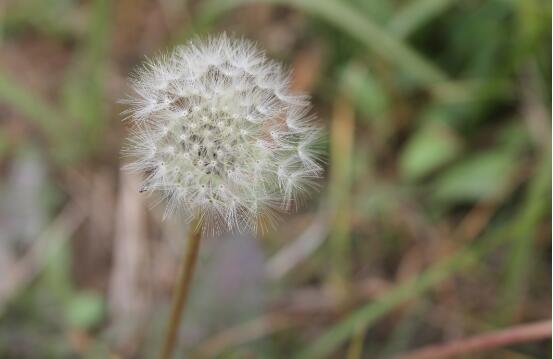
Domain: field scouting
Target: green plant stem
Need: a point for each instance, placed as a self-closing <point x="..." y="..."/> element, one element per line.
<point x="182" y="290"/>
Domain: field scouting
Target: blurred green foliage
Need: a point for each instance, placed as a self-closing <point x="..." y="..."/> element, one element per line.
<point x="452" y="104"/>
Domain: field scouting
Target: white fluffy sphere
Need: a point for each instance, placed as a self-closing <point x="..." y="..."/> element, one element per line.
<point x="220" y="135"/>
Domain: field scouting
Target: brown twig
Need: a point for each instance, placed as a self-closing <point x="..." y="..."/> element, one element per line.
<point x="181" y="292"/>
<point x="518" y="334"/>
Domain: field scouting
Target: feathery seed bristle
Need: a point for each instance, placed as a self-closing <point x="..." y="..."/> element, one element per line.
<point x="218" y="133"/>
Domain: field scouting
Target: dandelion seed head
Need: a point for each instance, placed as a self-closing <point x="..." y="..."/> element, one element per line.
<point x="219" y="133"/>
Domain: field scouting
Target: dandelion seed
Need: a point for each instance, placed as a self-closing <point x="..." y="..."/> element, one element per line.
<point x="220" y="135"/>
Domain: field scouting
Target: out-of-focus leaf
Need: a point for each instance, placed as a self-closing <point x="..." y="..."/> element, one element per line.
<point x="521" y="266"/>
<point x="55" y="124"/>
<point x="52" y="17"/>
<point x="379" y="10"/>
<point x="430" y="147"/>
<point x="415" y="14"/>
<point x="479" y="177"/>
<point x="31" y="105"/>
<point x="4" y="144"/>
<point x="83" y="91"/>
<point x="364" y="90"/>
<point x="514" y="136"/>
<point x="85" y="310"/>
<point x="485" y="28"/>
<point x="56" y="275"/>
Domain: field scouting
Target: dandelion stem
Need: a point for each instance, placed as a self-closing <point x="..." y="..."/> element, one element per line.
<point x="180" y="296"/>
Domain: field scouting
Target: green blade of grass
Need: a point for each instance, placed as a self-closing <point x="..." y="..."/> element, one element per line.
<point x="519" y="268"/>
<point x="370" y="313"/>
<point x="530" y="213"/>
<point x="83" y="90"/>
<point x="415" y="14"/>
<point x="58" y="127"/>
<point x="31" y="105"/>
<point x="405" y="330"/>
<point x="343" y="16"/>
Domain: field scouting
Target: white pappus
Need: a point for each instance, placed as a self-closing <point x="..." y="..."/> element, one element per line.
<point x="219" y="134"/>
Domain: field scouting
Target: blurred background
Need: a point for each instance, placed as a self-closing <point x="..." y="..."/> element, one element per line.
<point x="433" y="222"/>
